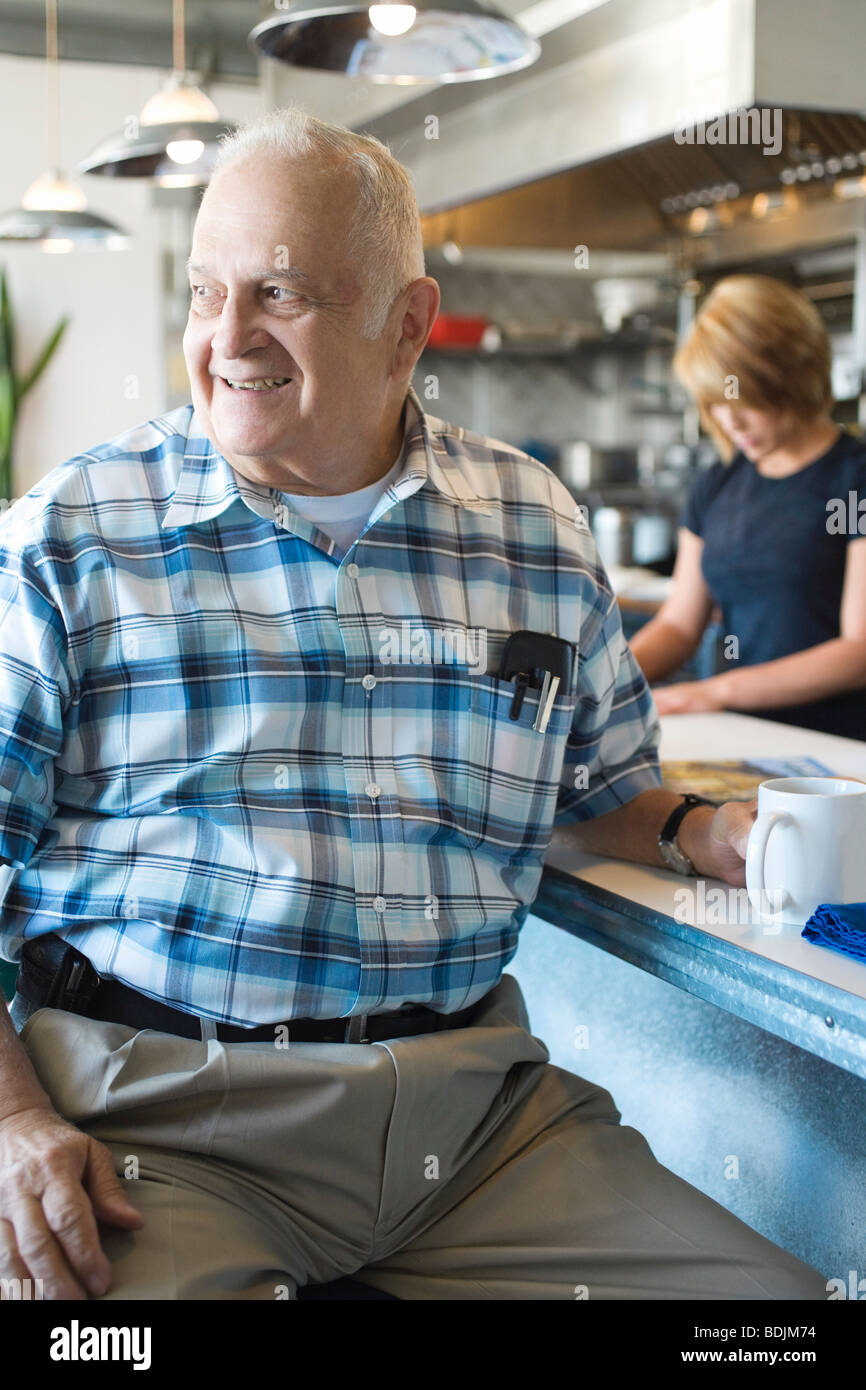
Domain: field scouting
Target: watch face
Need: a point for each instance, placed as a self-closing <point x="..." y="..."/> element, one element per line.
<point x="674" y="858"/>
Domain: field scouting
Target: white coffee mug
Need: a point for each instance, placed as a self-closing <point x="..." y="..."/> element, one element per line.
<point x="807" y="846"/>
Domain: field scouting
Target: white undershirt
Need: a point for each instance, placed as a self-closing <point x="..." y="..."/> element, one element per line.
<point x="343" y="517"/>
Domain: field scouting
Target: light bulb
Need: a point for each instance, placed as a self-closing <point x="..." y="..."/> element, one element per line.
<point x="184" y="151"/>
<point x="178" y="101"/>
<point x="53" y="192"/>
<point x="392" y="18"/>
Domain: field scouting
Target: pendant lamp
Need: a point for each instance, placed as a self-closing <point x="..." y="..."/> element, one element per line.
<point x="53" y="213"/>
<point x="437" y="41"/>
<point x="173" y="142"/>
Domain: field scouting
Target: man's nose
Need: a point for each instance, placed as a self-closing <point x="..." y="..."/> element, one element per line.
<point x="238" y="330"/>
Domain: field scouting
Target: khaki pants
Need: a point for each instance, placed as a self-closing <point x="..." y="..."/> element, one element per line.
<point x="458" y="1165"/>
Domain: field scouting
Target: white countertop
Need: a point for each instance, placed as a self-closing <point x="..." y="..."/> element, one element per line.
<point x="638" y="584"/>
<point x="709" y="737"/>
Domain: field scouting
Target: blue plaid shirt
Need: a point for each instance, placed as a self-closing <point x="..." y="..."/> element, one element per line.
<point x="258" y="778"/>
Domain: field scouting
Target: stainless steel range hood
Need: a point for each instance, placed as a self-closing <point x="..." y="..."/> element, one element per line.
<point x="621" y="77"/>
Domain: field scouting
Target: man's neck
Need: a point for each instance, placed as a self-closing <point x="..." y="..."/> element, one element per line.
<point x="331" y="477"/>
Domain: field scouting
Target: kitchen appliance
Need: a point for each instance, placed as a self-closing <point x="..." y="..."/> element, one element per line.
<point x="613" y="530"/>
<point x="630" y="535"/>
<point x="582" y="466"/>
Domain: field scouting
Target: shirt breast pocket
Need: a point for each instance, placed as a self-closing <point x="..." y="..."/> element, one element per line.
<point x="511" y="772"/>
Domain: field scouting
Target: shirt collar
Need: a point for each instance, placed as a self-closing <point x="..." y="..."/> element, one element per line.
<point x="207" y="484"/>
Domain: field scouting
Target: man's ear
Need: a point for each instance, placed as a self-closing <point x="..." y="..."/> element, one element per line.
<point x="418" y="307"/>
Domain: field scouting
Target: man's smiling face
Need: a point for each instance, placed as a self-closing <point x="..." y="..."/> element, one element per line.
<point x="277" y="297"/>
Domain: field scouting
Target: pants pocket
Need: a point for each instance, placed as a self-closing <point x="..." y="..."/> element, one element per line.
<point x="22" y="1012"/>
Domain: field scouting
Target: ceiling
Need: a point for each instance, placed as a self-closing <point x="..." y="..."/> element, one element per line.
<point x="124" y="31"/>
<point x="139" y="31"/>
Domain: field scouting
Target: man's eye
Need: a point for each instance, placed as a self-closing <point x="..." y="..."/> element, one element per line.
<point x="195" y="291"/>
<point x="281" y="290"/>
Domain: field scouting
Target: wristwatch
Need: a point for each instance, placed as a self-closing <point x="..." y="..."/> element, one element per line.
<point x="674" y="857"/>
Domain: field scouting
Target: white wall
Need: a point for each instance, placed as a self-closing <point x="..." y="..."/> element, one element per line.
<point x="114" y="298"/>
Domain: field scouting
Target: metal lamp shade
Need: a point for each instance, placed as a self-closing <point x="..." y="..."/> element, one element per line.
<point x="55" y="229"/>
<point x="144" y="155"/>
<point x="450" y="41"/>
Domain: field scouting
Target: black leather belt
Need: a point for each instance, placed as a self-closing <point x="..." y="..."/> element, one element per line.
<point x="54" y="974"/>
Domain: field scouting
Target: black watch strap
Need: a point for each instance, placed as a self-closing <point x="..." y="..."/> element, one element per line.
<point x="678" y="815"/>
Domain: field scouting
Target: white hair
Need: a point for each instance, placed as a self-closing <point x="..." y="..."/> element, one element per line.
<point x="385" y="231"/>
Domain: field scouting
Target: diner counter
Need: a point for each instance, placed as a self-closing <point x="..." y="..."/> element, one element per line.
<point x="701" y="935"/>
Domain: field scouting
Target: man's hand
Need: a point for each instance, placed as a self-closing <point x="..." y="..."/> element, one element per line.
<point x="715" y="841"/>
<point x="55" y="1184"/>
<point x="714" y="838"/>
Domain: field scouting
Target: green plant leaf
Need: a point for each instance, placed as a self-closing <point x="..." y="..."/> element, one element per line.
<point x="7" y="327"/>
<point x="7" y="409"/>
<point x="31" y="377"/>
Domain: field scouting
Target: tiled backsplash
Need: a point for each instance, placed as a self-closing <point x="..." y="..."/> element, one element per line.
<point x="586" y="394"/>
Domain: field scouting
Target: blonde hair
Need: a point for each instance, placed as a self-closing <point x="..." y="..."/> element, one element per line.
<point x="385" y="232"/>
<point x="761" y="342"/>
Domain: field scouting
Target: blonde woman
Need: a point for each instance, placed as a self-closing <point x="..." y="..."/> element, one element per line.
<point x="775" y="535"/>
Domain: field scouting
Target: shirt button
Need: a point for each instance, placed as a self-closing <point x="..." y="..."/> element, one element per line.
<point x="373" y="790"/>
<point x="387" y="516"/>
<point x="379" y="904"/>
<point x="368" y="682"/>
<point x="352" y="570"/>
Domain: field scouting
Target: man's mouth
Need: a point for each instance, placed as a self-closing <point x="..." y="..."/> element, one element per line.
<point x="259" y="383"/>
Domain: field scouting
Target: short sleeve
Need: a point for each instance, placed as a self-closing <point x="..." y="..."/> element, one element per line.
<point x="703" y="490"/>
<point x="35" y="690"/>
<point x="611" y="753"/>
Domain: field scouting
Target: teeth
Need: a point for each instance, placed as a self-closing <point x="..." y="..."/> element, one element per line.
<point x="262" y="383"/>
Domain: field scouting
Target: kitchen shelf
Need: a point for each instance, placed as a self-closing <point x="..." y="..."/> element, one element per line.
<point x="514" y="352"/>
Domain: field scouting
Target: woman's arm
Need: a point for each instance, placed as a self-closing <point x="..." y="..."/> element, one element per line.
<point x="814" y="674"/>
<point x="673" y="635"/>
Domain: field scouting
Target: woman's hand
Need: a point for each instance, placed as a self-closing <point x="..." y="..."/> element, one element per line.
<point x="688" y="697"/>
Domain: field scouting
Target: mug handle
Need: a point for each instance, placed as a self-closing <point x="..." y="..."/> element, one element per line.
<point x="756" y="851"/>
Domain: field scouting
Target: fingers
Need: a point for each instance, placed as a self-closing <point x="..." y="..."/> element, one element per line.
<point x="110" y="1202"/>
<point x="69" y="1216"/>
<point x="668" y="703"/>
<point x="50" y="1228"/>
<point x="13" y="1271"/>
<point x="39" y="1251"/>
<point x="734" y="820"/>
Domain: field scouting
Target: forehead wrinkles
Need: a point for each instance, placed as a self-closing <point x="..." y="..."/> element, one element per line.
<point x="306" y="222"/>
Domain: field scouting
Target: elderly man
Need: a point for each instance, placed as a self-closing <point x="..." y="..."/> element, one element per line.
<point x="278" y="812"/>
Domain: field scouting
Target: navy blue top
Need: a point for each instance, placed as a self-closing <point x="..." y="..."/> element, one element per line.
<point x="774" y="561"/>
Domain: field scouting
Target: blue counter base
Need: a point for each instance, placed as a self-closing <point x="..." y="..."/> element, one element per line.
<point x="772" y="1132"/>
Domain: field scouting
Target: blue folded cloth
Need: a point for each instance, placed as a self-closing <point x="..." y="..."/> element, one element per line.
<point x="841" y="926"/>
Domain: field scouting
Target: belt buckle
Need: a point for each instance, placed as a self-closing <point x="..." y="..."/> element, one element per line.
<point x="356" y="1029"/>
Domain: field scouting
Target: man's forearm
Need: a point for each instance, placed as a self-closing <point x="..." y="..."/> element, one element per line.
<point x="19" y="1084"/>
<point x="632" y="831"/>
